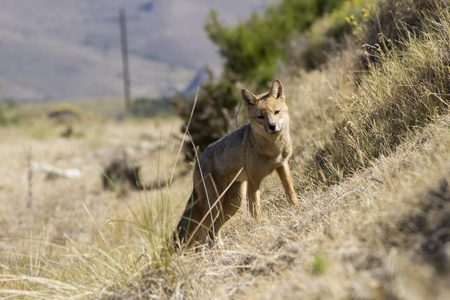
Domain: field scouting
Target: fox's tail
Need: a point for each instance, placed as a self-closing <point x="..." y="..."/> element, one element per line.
<point x="188" y="222"/>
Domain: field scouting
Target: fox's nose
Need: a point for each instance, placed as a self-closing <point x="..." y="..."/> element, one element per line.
<point x="272" y="127"/>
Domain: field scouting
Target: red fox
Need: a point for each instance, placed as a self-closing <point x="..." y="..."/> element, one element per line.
<point x="235" y="165"/>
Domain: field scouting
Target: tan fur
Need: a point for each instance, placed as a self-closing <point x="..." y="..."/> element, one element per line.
<point x="235" y="165"/>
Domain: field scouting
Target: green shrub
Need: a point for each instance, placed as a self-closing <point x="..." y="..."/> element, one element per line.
<point x="327" y="35"/>
<point x="253" y="48"/>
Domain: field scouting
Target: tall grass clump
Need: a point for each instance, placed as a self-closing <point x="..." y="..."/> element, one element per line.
<point x="385" y="25"/>
<point x="399" y="95"/>
<point x="104" y="267"/>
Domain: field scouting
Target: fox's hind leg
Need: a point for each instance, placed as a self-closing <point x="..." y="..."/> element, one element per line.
<point x="185" y="227"/>
<point x="231" y="202"/>
<point x="207" y="209"/>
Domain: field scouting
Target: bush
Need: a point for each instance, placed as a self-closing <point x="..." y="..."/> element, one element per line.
<point x="64" y="113"/>
<point x="213" y="112"/>
<point x="328" y="34"/>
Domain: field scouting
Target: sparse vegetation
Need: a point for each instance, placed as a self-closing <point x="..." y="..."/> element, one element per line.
<point x="371" y="168"/>
<point x="149" y="107"/>
<point x="8" y="113"/>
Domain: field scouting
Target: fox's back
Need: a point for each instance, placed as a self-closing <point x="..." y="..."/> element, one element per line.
<point x="226" y="156"/>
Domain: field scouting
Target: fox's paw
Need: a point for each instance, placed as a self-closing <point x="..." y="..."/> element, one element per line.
<point x="292" y="199"/>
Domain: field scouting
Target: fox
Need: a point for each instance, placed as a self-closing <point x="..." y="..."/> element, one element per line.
<point x="234" y="166"/>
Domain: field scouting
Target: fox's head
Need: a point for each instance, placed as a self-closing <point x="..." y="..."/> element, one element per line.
<point x="268" y="112"/>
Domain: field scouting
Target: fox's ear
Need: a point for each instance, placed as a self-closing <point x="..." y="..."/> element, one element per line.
<point x="277" y="90"/>
<point x="249" y="98"/>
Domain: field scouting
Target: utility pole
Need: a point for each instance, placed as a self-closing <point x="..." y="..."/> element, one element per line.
<point x="126" y="71"/>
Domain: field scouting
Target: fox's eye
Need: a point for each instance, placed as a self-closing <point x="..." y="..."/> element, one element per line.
<point x="277" y="112"/>
<point x="261" y="117"/>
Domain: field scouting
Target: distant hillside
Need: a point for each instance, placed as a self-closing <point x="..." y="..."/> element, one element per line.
<point x="53" y="49"/>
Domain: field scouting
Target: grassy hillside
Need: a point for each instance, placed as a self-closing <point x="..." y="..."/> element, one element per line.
<point x="371" y="169"/>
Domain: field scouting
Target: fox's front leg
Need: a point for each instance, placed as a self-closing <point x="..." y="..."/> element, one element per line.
<point x="253" y="198"/>
<point x="285" y="176"/>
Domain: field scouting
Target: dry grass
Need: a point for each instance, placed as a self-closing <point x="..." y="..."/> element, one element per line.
<point x="381" y="232"/>
<point x="400" y="95"/>
<point x="74" y="230"/>
<point x="364" y="239"/>
<point x="371" y="231"/>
